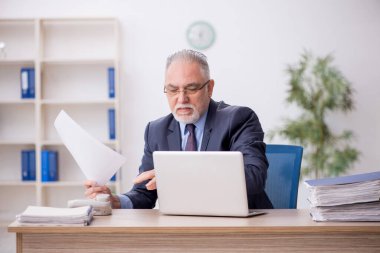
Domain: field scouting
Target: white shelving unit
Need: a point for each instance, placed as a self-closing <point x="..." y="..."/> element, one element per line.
<point x="71" y="58"/>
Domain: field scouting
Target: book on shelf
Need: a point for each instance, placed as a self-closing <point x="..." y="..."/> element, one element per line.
<point x="111" y="82"/>
<point x="49" y="165"/>
<point x="27" y="83"/>
<point x="347" y="198"/>
<point x="52" y="216"/>
<point x="111" y="124"/>
<point x="28" y="165"/>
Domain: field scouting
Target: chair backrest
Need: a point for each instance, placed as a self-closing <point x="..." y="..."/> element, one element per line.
<point x="283" y="175"/>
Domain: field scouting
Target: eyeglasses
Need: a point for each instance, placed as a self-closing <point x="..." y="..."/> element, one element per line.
<point x="189" y="90"/>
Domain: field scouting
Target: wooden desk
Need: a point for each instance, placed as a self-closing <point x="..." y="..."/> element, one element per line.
<point x="149" y="231"/>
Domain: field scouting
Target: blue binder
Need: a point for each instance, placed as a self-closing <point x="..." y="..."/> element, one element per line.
<point x="113" y="178"/>
<point x="27" y="83"/>
<point x="53" y="165"/>
<point x="111" y="82"/>
<point x="111" y="124"/>
<point x="31" y="92"/>
<point x="24" y="165"/>
<point x="28" y="165"/>
<point x="49" y="166"/>
<point x="45" y="166"/>
<point x="32" y="165"/>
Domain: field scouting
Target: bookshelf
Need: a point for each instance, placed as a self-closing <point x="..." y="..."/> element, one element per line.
<point x="71" y="58"/>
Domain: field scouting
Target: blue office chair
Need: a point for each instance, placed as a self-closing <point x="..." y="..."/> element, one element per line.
<point x="283" y="175"/>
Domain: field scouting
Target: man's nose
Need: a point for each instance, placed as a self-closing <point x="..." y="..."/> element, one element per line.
<point x="182" y="97"/>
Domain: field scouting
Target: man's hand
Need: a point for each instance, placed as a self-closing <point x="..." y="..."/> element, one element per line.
<point x="92" y="189"/>
<point x="150" y="174"/>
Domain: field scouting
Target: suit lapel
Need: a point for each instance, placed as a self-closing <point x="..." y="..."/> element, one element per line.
<point x="209" y="125"/>
<point x="174" y="138"/>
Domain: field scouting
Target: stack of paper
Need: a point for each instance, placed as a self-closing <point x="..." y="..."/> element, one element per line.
<point x="40" y="215"/>
<point x="349" y="198"/>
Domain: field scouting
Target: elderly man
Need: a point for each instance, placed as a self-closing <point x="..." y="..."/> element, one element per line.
<point x="196" y="123"/>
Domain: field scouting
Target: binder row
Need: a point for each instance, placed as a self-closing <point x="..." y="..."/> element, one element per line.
<point x="49" y="165"/>
<point x="27" y="78"/>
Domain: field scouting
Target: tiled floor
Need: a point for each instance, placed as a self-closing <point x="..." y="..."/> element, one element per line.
<point x="7" y="240"/>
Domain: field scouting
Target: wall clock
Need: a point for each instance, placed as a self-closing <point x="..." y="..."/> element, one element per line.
<point x="200" y="35"/>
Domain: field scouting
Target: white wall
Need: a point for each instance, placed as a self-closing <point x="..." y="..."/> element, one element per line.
<point x="255" y="41"/>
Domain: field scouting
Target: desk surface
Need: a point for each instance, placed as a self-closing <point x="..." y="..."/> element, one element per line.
<point x="151" y="221"/>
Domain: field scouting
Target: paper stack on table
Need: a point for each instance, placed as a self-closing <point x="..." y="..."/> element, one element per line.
<point x="348" y="198"/>
<point x="41" y="215"/>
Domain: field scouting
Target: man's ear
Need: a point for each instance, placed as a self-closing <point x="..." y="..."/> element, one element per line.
<point x="210" y="87"/>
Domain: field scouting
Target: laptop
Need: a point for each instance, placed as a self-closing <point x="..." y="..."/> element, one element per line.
<point x="201" y="183"/>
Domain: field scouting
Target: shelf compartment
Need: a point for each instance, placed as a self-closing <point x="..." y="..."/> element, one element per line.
<point x="19" y="39"/>
<point x="84" y="82"/>
<point x="60" y="39"/>
<point x="10" y="157"/>
<point x="17" y="122"/>
<point x="10" y="82"/>
<point x="68" y="169"/>
<point x="92" y="118"/>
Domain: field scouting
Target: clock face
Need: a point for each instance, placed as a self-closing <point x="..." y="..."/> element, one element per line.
<point x="200" y="35"/>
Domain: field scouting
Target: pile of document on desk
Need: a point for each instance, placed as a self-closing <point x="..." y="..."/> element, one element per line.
<point x="41" y="215"/>
<point x="348" y="198"/>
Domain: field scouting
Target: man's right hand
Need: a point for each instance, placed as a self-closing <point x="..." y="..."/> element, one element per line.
<point x="150" y="174"/>
<point x="93" y="189"/>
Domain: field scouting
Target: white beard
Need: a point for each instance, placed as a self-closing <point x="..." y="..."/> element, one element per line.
<point x="186" y="119"/>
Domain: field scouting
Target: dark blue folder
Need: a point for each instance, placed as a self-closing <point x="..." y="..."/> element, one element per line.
<point x="345" y="179"/>
<point x="111" y="124"/>
<point x="111" y="82"/>
<point x="53" y="165"/>
<point x="27" y="83"/>
<point x="49" y="165"/>
<point x="28" y="165"/>
<point x="32" y="165"/>
<point x="24" y="165"/>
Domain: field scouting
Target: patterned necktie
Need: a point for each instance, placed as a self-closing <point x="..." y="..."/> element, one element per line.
<point x="191" y="144"/>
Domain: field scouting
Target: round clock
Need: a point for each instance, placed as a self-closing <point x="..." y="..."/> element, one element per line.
<point x="200" y="35"/>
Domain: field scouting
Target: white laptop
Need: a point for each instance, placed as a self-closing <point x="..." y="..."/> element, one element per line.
<point x="201" y="183"/>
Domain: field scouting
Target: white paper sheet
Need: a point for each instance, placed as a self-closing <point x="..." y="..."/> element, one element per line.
<point x="97" y="161"/>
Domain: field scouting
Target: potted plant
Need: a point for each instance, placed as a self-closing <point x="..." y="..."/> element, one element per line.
<point x="318" y="89"/>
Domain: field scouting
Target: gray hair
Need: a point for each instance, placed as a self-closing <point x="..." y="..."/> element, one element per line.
<point x="191" y="56"/>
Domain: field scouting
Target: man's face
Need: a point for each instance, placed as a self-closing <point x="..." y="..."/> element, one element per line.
<point x="182" y="82"/>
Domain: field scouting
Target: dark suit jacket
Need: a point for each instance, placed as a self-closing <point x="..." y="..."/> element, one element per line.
<point x="227" y="128"/>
